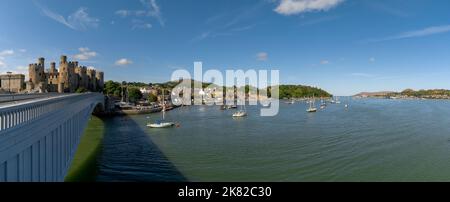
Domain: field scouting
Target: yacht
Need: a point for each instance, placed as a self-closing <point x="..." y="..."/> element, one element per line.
<point x="162" y="123"/>
<point x="242" y="112"/>
<point x="312" y="107"/>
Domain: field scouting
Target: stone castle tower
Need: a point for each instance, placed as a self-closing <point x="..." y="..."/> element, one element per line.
<point x="67" y="79"/>
<point x="100" y="80"/>
<point x="38" y="78"/>
<point x="83" y="80"/>
<point x="92" y="79"/>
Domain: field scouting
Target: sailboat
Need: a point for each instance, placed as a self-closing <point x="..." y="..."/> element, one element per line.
<point x="162" y="123"/>
<point x="312" y="107"/>
<point x="323" y="105"/>
<point x="242" y="112"/>
<point x="265" y="103"/>
<point x="337" y="101"/>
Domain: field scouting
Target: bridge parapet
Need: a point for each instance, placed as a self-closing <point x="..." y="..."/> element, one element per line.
<point x="39" y="138"/>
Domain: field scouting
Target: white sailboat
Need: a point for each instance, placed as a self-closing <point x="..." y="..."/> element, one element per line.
<point x="323" y="105"/>
<point x="337" y="101"/>
<point x="312" y="108"/>
<point x="162" y="123"/>
<point x="241" y="113"/>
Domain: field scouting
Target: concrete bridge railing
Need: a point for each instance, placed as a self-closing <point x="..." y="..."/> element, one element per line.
<point x="39" y="138"/>
<point x="18" y="97"/>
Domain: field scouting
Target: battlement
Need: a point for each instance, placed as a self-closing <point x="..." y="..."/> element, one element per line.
<point x="63" y="59"/>
<point x="67" y="78"/>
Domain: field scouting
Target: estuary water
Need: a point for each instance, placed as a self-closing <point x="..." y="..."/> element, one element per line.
<point x="372" y="140"/>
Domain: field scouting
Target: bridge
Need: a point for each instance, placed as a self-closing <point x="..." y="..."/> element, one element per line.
<point x="40" y="133"/>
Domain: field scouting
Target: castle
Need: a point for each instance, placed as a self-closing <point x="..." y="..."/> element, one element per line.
<point x="68" y="78"/>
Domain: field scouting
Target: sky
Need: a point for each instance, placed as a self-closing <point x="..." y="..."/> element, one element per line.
<point x="342" y="46"/>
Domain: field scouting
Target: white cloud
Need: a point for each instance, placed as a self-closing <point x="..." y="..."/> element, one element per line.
<point x="324" y="62"/>
<point x="85" y="54"/>
<point x="152" y="9"/>
<point x="262" y="56"/>
<point x="6" y="53"/>
<point x="3" y="55"/>
<point x="79" y="20"/>
<point x="22" y="68"/>
<point x="417" y="33"/>
<point x="123" y="62"/>
<point x="140" y="24"/>
<point x="372" y="59"/>
<point x="292" y="7"/>
<point x="123" y="13"/>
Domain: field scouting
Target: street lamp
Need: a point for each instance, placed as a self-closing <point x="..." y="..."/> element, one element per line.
<point x="9" y="81"/>
<point x="9" y="84"/>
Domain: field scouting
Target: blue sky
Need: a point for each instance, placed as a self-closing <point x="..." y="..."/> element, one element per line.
<point x="342" y="46"/>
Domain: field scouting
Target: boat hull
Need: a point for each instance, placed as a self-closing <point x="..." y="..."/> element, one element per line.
<point x="161" y="125"/>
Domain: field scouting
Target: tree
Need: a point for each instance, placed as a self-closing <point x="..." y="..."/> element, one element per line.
<point x="112" y="88"/>
<point x="81" y="90"/>
<point x="152" y="97"/>
<point x="134" y="94"/>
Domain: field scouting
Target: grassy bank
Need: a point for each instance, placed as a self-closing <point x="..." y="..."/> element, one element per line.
<point x="84" y="164"/>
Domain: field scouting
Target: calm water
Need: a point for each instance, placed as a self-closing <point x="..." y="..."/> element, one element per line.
<point x="374" y="140"/>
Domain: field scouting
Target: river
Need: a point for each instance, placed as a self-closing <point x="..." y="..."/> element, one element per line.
<point x="372" y="140"/>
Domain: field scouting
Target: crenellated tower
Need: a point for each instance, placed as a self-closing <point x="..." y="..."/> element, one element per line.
<point x="37" y="76"/>
<point x="100" y="80"/>
<point x="91" y="73"/>
<point x="83" y="80"/>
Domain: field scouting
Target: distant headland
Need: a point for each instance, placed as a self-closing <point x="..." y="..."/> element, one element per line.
<point x="408" y="94"/>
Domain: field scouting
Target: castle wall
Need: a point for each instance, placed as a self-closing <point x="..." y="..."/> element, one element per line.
<point x="66" y="79"/>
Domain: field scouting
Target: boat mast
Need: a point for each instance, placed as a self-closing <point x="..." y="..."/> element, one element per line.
<point x="164" y="106"/>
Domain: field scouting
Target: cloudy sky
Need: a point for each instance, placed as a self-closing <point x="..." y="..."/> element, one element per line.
<point x="343" y="46"/>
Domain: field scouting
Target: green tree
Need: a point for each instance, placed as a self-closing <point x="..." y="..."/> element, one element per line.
<point x="112" y="88"/>
<point x="152" y="97"/>
<point x="134" y="94"/>
<point x="81" y="90"/>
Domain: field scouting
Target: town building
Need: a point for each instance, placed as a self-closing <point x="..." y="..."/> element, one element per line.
<point x="13" y="83"/>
